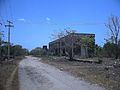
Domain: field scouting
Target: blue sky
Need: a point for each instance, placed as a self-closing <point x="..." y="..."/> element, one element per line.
<point x="35" y="20"/>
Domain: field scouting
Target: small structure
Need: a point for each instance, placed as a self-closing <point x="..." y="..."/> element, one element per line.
<point x="45" y="47"/>
<point x="62" y="46"/>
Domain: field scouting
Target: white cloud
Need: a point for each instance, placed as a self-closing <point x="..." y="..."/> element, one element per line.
<point x="24" y="20"/>
<point x="48" y="19"/>
<point x="21" y="19"/>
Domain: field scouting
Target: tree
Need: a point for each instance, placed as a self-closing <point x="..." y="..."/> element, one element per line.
<point x="98" y="50"/>
<point x="1" y="41"/>
<point x="88" y="44"/>
<point x="58" y="36"/>
<point x="18" y="50"/>
<point x="113" y="26"/>
<point x="69" y="41"/>
<point x="38" y="52"/>
<point x="25" y="51"/>
<point x="119" y="48"/>
<point x="109" y="50"/>
<point x="4" y="50"/>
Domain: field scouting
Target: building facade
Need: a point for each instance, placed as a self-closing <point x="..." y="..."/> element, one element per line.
<point x="78" y="43"/>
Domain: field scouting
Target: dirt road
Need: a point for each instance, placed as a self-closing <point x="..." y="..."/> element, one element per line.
<point x="34" y="75"/>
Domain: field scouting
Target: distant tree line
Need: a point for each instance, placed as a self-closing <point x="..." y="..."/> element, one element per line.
<point x="108" y="50"/>
<point x="15" y="50"/>
<point x="38" y="51"/>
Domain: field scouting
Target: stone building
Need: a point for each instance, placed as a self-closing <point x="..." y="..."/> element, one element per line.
<point x="63" y="45"/>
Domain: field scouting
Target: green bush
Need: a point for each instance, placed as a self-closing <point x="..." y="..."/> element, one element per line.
<point x="38" y="52"/>
<point x="111" y="50"/>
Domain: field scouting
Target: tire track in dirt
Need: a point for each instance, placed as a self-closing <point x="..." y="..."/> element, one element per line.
<point x="10" y="79"/>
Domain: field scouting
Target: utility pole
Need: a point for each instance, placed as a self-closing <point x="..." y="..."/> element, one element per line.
<point x="9" y="25"/>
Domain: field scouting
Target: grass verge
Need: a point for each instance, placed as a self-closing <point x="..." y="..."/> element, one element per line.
<point x="6" y="69"/>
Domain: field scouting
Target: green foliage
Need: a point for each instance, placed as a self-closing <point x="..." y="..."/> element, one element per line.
<point x="38" y="52"/>
<point x="111" y="50"/>
<point x="87" y="40"/>
<point x="89" y="44"/>
<point x="98" y="51"/>
<point x="25" y="51"/>
<point x="17" y="50"/>
<point x="4" y="50"/>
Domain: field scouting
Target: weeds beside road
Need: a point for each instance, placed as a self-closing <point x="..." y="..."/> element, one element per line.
<point x="102" y="74"/>
<point x="9" y="77"/>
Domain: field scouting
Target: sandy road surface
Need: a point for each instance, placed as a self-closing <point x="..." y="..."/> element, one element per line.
<point x="34" y="75"/>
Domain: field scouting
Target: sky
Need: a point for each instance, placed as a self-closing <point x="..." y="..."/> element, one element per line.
<point x="36" y="20"/>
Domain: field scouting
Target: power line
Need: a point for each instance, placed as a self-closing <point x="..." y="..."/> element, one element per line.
<point x="86" y="24"/>
<point x="6" y="9"/>
<point x="2" y="20"/>
<point x="10" y="10"/>
<point x="1" y="17"/>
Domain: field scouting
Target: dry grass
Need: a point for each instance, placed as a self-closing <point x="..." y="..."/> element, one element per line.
<point x="93" y="73"/>
<point x="15" y="82"/>
<point x="5" y="72"/>
<point x="6" y="69"/>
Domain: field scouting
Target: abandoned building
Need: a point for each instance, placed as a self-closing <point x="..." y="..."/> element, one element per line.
<point x="63" y="45"/>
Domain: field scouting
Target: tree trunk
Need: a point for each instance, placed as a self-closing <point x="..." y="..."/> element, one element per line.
<point x="116" y="54"/>
<point x="60" y="49"/>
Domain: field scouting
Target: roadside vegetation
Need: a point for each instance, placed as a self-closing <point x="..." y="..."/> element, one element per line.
<point x="6" y="71"/>
<point x="9" y="67"/>
<point x="106" y="72"/>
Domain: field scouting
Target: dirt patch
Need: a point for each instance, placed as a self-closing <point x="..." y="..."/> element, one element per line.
<point x="105" y="74"/>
